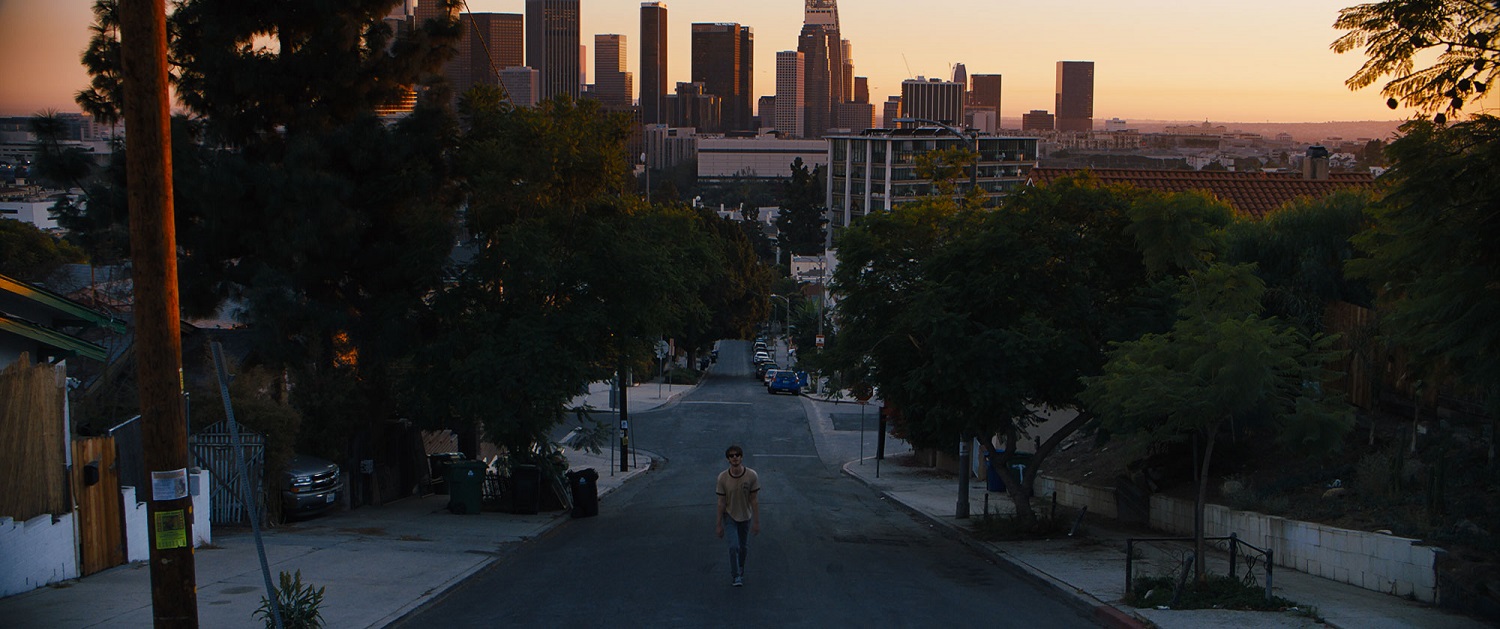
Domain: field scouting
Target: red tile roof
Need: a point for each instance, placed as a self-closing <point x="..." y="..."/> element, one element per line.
<point x="1253" y="194"/>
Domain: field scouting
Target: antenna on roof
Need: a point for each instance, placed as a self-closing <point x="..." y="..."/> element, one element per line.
<point x="908" y="65"/>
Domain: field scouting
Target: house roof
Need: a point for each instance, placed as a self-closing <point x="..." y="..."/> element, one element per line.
<point x="23" y="306"/>
<point x="1251" y="193"/>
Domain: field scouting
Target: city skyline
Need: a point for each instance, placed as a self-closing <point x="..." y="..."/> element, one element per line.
<point x="1170" y="60"/>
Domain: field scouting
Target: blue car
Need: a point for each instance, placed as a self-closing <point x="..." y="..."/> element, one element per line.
<point x="785" y="381"/>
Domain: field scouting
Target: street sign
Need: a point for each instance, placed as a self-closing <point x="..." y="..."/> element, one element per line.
<point x="818" y="340"/>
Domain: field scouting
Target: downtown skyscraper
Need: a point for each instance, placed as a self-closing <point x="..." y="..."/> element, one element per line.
<point x="1075" y="96"/>
<point x="653" y="62"/>
<point x="552" y="45"/>
<point x="490" y="43"/>
<point x="824" y="64"/>
<point x="612" y="84"/>
<point x="723" y="61"/>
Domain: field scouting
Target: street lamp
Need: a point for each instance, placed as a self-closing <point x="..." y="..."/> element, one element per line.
<point x="973" y="144"/>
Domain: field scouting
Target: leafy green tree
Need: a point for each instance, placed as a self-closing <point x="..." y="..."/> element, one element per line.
<point x="1221" y="362"/>
<point x="1397" y="34"/>
<point x="1431" y="251"/>
<point x="574" y="278"/>
<point x="801" y="222"/>
<point x="1300" y="252"/>
<point x="30" y="254"/>
<point x="328" y="226"/>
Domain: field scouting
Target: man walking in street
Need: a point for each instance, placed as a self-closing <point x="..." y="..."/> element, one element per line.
<point x="738" y="510"/>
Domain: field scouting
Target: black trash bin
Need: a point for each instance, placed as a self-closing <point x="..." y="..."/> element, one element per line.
<point x="465" y="486"/>
<point x="585" y="488"/>
<point x="526" y="488"/>
<point x="437" y="470"/>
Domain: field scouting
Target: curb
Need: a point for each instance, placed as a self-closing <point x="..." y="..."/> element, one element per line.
<point x="561" y="518"/>
<point x="1079" y="600"/>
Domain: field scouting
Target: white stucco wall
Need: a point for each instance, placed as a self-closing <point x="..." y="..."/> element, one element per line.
<point x="137" y="537"/>
<point x="36" y="552"/>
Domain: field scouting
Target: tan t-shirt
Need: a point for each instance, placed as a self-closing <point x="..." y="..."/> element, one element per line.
<point x="737" y="492"/>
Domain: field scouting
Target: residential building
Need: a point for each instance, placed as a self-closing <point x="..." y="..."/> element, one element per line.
<point x="722" y="56"/>
<point x="1075" y="96"/>
<point x="933" y="99"/>
<point x="790" y="117"/>
<point x="762" y="157"/>
<point x="552" y="42"/>
<point x="653" y="62"/>
<point x="876" y="169"/>
<point x="612" y="84"/>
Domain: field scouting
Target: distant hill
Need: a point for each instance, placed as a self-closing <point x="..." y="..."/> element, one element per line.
<point x="1301" y="131"/>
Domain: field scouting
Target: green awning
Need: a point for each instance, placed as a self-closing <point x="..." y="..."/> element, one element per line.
<point x="73" y="346"/>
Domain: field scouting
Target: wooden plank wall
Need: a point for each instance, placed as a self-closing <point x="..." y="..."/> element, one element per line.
<point x="33" y="440"/>
<point x="101" y="530"/>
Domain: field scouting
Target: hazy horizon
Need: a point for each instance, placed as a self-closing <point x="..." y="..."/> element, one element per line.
<point x="1171" y="60"/>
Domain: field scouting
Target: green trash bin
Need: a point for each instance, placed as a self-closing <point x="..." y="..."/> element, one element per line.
<point x="465" y="486"/>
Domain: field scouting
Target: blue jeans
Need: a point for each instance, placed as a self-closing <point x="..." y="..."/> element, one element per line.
<point x="738" y="535"/>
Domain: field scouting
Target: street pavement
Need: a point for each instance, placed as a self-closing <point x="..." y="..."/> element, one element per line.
<point x="378" y="564"/>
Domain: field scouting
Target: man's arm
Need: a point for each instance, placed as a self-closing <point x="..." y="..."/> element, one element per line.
<point x="755" y="512"/>
<point x="719" y="517"/>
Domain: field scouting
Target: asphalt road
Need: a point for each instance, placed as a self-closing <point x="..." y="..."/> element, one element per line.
<point x="831" y="552"/>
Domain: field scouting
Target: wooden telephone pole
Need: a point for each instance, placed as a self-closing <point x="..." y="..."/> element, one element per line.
<point x="153" y="253"/>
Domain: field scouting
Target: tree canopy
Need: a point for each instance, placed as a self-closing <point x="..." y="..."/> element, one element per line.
<point x="1398" y="34"/>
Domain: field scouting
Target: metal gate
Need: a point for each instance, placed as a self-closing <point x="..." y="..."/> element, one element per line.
<point x="212" y="451"/>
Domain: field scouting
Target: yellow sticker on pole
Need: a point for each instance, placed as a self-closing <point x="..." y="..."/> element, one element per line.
<point x="171" y="530"/>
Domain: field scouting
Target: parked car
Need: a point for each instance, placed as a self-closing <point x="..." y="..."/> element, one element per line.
<point x="310" y="486"/>
<point x="770" y="373"/>
<point x="785" y="380"/>
<point x="762" y="357"/>
<point x="760" y="370"/>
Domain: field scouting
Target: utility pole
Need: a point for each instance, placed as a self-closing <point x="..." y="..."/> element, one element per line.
<point x="153" y="246"/>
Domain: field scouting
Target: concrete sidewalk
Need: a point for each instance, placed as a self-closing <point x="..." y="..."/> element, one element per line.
<point x="1090" y="568"/>
<point x="376" y="563"/>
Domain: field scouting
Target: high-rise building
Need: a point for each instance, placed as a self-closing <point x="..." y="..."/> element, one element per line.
<point x="552" y="43"/>
<point x="692" y="106"/>
<point x="890" y="111"/>
<point x="1037" y="120"/>
<point x="423" y="10"/>
<point x="723" y="63"/>
<point x="489" y="43"/>
<point x="790" y="109"/>
<point x="765" y="113"/>
<point x="854" y="117"/>
<point x="1075" y="96"/>
<point x="847" y="76"/>
<point x="612" y="84"/>
<point x="523" y="84"/>
<point x="961" y="75"/>
<point x="984" y="92"/>
<point x="861" y="90"/>
<point x="583" y="67"/>
<point x="823" y="64"/>
<point x="932" y="99"/>
<point x="653" y="61"/>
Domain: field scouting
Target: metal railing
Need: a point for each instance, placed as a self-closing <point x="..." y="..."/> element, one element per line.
<point x="1237" y="548"/>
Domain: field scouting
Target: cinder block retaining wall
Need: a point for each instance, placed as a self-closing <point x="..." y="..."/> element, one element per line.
<point x="1374" y="561"/>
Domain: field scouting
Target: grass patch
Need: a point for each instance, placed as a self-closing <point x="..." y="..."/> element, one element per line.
<point x="1217" y="592"/>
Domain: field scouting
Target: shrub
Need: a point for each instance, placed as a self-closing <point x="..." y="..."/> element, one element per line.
<point x="299" y="604"/>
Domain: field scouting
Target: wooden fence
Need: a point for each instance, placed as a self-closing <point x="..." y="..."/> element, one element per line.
<point x="101" y="528"/>
<point x="213" y="451"/>
<point x="33" y="440"/>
